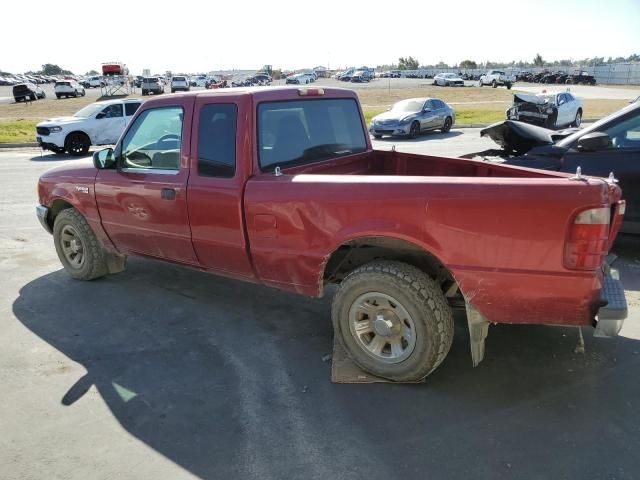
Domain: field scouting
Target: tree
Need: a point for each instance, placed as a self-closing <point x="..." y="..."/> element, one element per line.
<point x="51" y="69"/>
<point x="468" y="64"/>
<point x="538" y="61"/>
<point x="408" y="63"/>
<point x="91" y="72"/>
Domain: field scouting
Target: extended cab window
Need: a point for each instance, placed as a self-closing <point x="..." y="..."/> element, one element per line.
<point x="154" y="140"/>
<point x="305" y="131"/>
<point x="217" y="140"/>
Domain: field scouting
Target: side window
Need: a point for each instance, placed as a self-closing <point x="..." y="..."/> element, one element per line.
<point x="561" y="99"/>
<point x="113" y="111"/>
<point x="430" y="105"/>
<point x="217" y="140"/>
<point x="130" y="108"/>
<point x="154" y="140"/>
<point x="625" y="134"/>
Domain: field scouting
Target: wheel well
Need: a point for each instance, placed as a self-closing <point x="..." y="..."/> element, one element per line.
<point x="79" y="132"/>
<point x="355" y="253"/>
<point x="56" y="207"/>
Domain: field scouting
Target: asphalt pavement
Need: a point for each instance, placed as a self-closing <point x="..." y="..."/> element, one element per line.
<point x="169" y="373"/>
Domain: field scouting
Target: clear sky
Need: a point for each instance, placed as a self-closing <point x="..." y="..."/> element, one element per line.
<point x="195" y="36"/>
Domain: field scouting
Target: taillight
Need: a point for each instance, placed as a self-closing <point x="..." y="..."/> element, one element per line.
<point x="588" y="239"/>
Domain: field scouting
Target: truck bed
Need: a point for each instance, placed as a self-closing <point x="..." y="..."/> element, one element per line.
<point x="381" y="162"/>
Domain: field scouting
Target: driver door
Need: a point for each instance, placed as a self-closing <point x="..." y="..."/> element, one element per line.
<point x="109" y="124"/>
<point x="428" y="116"/>
<point x="143" y="202"/>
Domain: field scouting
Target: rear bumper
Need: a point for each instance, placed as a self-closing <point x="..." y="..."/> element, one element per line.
<point x="42" y="213"/>
<point x="611" y="316"/>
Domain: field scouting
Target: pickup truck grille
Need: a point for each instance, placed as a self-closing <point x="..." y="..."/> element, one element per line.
<point x="42" y="130"/>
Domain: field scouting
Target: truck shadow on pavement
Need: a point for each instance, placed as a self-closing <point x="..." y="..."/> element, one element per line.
<point x="226" y="379"/>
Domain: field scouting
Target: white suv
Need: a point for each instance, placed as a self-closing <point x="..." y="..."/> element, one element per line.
<point x="180" y="83"/>
<point x="99" y="123"/>
<point x="68" y="88"/>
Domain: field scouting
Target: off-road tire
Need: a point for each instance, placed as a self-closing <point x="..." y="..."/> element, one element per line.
<point x="494" y="84"/>
<point x="95" y="256"/>
<point x="422" y="299"/>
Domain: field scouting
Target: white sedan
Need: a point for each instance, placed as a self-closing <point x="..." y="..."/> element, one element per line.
<point x="548" y="109"/>
<point x="448" y="80"/>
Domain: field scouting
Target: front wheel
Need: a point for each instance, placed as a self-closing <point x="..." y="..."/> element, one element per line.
<point x="393" y="320"/>
<point x="77" y="144"/>
<point x="414" y="131"/>
<point x="79" y="251"/>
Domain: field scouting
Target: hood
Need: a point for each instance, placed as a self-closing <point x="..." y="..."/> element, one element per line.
<point x="60" y="121"/>
<point x="519" y="137"/>
<point x="526" y="98"/>
<point x="78" y="170"/>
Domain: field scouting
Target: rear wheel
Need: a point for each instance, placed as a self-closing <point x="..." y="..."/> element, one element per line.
<point x="447" y="125"/>
<point x="414" y="131"/>
<point x="79" y="251"/>
<point x="77" y="144"/>
<point x="393" y="320"/>
<point x="33" y="97"/>
<point x="378" y="137"/>
<point x="509" y="86"/>
<point x="578" y="120"/>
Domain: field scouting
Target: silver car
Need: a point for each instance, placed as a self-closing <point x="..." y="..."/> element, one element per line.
<point x="412" y="117"/>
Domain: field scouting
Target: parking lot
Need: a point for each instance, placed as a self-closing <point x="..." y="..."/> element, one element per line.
<point x="168" y="373"/>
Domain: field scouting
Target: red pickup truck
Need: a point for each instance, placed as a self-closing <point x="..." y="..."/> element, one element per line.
<point x="281" y="186"/>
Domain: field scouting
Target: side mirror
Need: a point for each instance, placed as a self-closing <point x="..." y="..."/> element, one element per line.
<point x="594" y="141"/>
<point x="104" y="159"/>
<point x="100" y="115"/>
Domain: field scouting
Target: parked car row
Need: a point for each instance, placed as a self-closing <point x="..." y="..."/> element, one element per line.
<point x="577" y="77"/>
<point x="9" y="79"/>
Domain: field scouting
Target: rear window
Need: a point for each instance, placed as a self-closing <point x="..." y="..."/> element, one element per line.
<point x="178" y="79"/>
<point x="150" y="80"/>
<point x="130" y="108"/>
<point x="62" y="84"/>
<point x="306" y="131"/>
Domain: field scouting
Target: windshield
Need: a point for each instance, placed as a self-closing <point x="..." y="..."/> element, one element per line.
<point x="89" y="110"/>
<point x="413" y="105"/>
<point x="307" y="131"/>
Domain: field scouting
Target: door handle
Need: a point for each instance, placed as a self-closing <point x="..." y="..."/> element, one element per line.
<point x="168" y="194"/>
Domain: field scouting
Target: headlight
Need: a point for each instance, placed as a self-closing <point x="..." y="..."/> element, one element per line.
<point x="55" y="129"/>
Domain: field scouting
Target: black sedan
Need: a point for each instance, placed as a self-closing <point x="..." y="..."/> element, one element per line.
<point x="611" y="145"/>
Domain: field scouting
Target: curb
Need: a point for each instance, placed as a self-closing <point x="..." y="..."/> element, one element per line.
<point x="19" y="145"/>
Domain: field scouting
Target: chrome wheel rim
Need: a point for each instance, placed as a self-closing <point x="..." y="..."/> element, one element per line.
<point x="382" y="327"/>
<point x="72" y="247"/>
<point x="578" y="119"/>
<point x="76" y="145"/>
